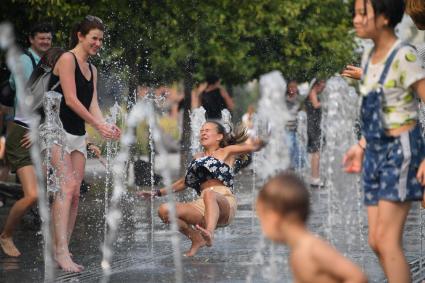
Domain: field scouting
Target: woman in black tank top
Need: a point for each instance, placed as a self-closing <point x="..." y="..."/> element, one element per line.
<point x="213" y="97"/>
<point x="79" y="105"/>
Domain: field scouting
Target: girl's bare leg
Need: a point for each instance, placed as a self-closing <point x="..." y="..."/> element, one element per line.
<point x="186" y="216"/>
<point x="217" y="210"/>
<point x="388" y="235"/>
<point x="29" y="185"/>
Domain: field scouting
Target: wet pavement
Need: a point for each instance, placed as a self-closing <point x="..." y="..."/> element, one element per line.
<point x="236" y="255"/>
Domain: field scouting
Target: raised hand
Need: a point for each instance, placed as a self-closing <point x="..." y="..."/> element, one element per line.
<point x="108" y="131"/>
<point x="352" y="72"/>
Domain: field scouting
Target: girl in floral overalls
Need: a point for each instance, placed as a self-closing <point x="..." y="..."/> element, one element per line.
<point x="390" y="153"/>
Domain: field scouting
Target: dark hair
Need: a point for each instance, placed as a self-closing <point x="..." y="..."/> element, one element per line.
<point x="286" y="193"/>
<point x="41" y="28"/>
<point x="52" y="56"/>
<point x="212" y="79"/>
<point x="393" y="10"/>
<point x="416" y="10"/>
<point x="84" y="27"/>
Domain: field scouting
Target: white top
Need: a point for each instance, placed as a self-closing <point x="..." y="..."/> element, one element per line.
<point x="400" y="105"/>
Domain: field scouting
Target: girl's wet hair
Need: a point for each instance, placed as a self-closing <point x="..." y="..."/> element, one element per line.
<point x="286" y="194"/>
<point x="393" y="10"/>
<point x="84" y="27"/>
<point x="239" y="136"/>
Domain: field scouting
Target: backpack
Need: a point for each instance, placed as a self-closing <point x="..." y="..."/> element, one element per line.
<point x="7" y="93"/>
<point x="38" y="84"/>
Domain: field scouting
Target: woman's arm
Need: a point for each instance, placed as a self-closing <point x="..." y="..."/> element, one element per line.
<point x="176" y="187"/>
<point x="196" y="95"/>
<point x="227" y="99"/>
<point x="250" y="146"/>
<point x="94" y="109"/>
<point x="313" y="98"/>
<point x="94" y="105"/>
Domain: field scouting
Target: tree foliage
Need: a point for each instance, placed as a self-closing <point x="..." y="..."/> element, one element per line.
<point x="159" y="41"/>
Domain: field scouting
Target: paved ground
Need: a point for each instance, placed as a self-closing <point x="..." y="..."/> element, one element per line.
<point x="237" y="254"/>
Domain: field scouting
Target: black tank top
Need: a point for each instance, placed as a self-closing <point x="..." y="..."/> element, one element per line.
<point x="72" y="123"/>
<point x="213" y="103"/>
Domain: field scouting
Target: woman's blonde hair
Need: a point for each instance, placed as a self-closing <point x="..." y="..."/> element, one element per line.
<point x="230" y="138"/>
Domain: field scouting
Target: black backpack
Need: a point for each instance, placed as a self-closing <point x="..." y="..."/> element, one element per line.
<point x="7" y="93"/>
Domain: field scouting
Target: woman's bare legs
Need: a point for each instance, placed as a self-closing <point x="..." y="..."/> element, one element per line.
<point x="61" y="209"/>
<point x="186" y="216"/>
<point x="217" y="210"/>
<point x="386" y="225"/>
<point x="28" y="180"/>
<point x="78" y="164"/>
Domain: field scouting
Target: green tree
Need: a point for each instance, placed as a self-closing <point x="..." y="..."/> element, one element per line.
<point x="153" y="42"/>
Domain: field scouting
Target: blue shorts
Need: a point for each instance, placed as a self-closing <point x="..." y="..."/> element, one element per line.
<point x="390" y="167"/>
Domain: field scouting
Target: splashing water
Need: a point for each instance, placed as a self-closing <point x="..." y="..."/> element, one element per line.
<point x="302" y="163"/>
<point x="197" y="119"/>
<point x="142" y="111"/>
<point x="226" y="119"/>
<point x="51" y="133"/>
<point x="344" y="226"/>
<point x="269" y="124"/>
<point x="272" y="117"/>
<point x="111" y="150"/>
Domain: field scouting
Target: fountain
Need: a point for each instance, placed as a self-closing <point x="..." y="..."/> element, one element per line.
<point x="338" y="121"/>
<point x="111" y="150"/>
<point x="142" y="111"/>
<point x="197" y="119"/>
<point x="269" y="123"/>
<point x="51" y="133"/>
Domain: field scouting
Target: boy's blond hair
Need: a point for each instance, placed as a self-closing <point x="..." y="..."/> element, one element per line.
<point x="286" y="194"/>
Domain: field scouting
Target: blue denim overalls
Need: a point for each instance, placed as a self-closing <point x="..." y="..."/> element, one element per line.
<point x="390" y="163"/>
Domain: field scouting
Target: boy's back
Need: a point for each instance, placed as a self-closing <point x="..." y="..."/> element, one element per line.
<point x="314" y="260"/>
<point x="283" y="206"/>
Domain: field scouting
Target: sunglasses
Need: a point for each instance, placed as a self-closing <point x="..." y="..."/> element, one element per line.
<point x="93" y="18"/>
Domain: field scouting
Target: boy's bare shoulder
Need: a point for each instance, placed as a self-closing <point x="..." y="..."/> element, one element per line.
<point x="301" y="260"/>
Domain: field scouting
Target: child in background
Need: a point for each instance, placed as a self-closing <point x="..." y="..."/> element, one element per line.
<point x="283" y="206"/>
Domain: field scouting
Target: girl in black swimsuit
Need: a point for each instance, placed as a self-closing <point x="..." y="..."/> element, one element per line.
<point x="211" y="174"/>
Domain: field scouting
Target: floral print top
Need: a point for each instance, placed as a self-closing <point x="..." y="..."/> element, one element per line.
<point x="207" y="168"/>
<point x="400" y="104"/>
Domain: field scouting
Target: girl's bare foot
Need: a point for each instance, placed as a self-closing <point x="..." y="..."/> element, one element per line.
<point x="65" y="263"/>
<point x="197" y="243"/>
<point x="9" y="247"/>
<point x="207" y="235"/>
